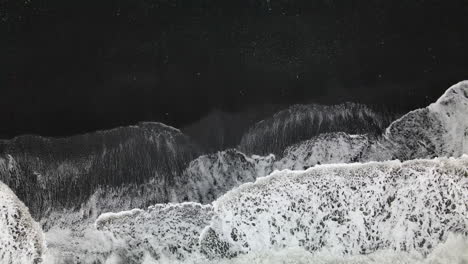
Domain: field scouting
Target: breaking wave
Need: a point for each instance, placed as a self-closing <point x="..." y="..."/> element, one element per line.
<point x="346" y="213"/>
<point x="377" y="212"/>
<point x="302" y="122"/>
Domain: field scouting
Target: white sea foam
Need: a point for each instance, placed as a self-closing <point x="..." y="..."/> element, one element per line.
<point x="21" y="238"/>
<point x="452" y="251"/>
<point x="378" y="212"/>
<point x="346" y="208"/>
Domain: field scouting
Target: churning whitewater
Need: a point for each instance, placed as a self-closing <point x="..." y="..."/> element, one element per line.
<point x="396" y="197"/>
<point x="21" y="238"/>
<point x="348" y="213"/>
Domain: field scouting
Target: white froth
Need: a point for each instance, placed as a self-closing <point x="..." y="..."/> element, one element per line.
<point x="21" y="238"/>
